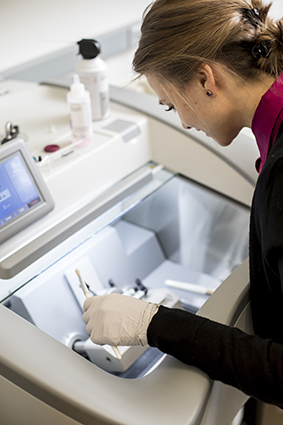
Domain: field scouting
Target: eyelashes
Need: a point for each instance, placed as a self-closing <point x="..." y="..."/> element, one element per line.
<point x="170" y="108"/>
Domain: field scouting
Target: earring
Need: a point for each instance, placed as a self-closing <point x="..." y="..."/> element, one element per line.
<point x="209" y="93"/>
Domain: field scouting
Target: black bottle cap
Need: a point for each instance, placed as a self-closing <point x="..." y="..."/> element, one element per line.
<point x="89" y="48"/>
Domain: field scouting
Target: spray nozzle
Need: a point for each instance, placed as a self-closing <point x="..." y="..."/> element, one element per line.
<point x="89" y="48"/>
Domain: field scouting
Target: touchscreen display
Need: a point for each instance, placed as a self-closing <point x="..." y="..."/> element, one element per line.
<point x="18" y="192"/>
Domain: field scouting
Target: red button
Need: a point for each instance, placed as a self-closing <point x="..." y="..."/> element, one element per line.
<point x="51" y="148"/>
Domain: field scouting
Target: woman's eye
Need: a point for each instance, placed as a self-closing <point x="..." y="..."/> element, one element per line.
<point x="170" y="108"/>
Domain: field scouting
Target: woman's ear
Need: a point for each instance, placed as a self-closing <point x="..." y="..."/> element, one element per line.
<point x="206" y="78"/>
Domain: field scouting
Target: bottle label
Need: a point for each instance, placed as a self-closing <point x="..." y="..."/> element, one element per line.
<point x="98" y="87"/>
<point x="80" y="121"/>
<point x="104" y="102"/>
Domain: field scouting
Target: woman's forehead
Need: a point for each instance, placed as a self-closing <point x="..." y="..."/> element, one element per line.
<point x="163" y="91"/>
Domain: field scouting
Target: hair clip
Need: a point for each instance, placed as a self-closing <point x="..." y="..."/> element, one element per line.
<point x="261" y="50"/>
<point x="255" y="13"/>
<point x="252" y="15"/>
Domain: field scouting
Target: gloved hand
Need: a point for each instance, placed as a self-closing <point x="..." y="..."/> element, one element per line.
<point x="117" y="319"/>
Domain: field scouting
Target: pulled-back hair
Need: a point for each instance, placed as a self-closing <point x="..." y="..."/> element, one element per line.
<point x="178" y="36"/>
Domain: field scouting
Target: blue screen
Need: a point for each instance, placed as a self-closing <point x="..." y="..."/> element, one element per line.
<point x="18" y="192"/>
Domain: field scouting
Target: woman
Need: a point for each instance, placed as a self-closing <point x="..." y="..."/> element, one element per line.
<point x="218" y="64"/>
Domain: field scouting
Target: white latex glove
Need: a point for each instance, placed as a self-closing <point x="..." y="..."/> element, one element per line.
<point x="117" y="319"/>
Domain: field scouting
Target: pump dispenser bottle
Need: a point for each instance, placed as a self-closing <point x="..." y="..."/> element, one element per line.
<point x="80" y="112"/>
<point x="92" y="71"/>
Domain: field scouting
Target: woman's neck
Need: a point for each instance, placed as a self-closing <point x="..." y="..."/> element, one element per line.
<point x="251" y="94"/>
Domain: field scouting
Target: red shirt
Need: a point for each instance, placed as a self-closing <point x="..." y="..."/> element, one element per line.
<point x="267" y="119"/>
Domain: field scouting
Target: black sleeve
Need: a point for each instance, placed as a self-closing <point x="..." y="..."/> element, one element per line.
<point x="280" y="268"/>
<point x="247" y="362"/>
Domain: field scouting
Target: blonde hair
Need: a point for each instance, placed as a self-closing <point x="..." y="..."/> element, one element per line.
<point x="178" y="36"/>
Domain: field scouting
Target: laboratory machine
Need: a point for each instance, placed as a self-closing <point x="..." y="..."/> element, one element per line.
<point x="142" y="209"/>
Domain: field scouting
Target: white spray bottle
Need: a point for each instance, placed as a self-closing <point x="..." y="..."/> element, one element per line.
<point x="80" y="112"/>
<point x="92" y="71"/>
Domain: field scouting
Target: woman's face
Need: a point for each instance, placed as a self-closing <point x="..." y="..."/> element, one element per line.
<point x="215" y="115"/>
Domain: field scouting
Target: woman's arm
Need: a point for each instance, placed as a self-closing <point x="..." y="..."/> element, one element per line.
<point x="247" y="362"/>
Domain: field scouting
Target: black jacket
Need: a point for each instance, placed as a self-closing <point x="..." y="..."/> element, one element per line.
<point x="252" y="363"/>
